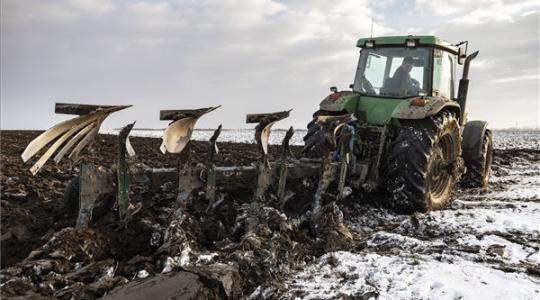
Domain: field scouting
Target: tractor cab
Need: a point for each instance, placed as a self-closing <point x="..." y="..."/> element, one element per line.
<point x="406" y="66"/>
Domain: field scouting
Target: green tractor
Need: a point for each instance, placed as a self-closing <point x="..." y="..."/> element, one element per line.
<point x="411" y="134"/>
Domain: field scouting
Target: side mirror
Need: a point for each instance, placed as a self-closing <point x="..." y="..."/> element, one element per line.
<point x="461" y="55"/>
<point x="351" y="86"/>
<point x="333" y="89"/>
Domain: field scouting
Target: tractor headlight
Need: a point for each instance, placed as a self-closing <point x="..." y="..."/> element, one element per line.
<point x="411" y="43"/>
<point x="369" y="44"/>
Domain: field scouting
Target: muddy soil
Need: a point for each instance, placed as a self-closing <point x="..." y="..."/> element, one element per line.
<point x="241" y="249"/>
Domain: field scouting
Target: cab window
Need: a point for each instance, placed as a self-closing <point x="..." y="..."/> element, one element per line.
<point x="443" y="74"/>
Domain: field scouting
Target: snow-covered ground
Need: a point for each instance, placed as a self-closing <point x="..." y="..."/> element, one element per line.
<point x="516" y="139"/>
<point x="365" y="275"/>
<point x="227" y="135"/>
<point x="485" y="245"/>
<point x="503" y="139"/>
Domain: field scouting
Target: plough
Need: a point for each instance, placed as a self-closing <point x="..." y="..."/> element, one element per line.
<point x="268" y="177"/>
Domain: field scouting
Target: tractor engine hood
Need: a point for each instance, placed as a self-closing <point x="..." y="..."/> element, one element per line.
<point x="379" y="111"/>
<point x="340" y="101"/>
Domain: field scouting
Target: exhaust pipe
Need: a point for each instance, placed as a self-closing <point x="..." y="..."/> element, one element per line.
<point x="464" y="86"/>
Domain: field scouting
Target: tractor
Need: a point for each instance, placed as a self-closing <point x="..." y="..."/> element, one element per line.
<point x="411" y="136"/>
<point x="401" y="130"/>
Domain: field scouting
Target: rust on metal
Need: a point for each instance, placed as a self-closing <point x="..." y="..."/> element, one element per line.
<point x="267" y="117"/>
<point x="83" y="109"/>
<point x="178" y="114"/>
<point x="95" y="182"/>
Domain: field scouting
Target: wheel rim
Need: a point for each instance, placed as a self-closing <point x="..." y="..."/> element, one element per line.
<point x="440" y="174"/>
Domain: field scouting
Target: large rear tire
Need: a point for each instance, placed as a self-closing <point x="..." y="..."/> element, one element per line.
<point x="479" y="170"/>
<point x="424" y="163"/>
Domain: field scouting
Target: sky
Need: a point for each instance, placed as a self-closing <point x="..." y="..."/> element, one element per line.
<point x="250" y="56"/>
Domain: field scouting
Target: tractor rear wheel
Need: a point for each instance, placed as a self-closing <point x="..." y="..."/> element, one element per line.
<point x="314" y="142"/>
<point x="479" y="170"/>
<point x="424" y="163"/>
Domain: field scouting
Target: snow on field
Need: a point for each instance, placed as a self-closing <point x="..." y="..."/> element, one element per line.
<point x="227" y="135"/>
<point x="346" y="274"/>
<point x="516" y="139"/>
<point x="483" y="246"/>
<point x="503" y="139"/>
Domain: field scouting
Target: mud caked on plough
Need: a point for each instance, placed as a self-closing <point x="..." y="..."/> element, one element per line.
<point x="268" y="177"/>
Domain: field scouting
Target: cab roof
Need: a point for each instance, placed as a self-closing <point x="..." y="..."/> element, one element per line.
<point x="425" y="40"/>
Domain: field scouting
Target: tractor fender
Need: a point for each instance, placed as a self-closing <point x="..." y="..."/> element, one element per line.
<point x="473" y="137"/>
<point x="422" y="107"/>
<point x="340" y="101"/>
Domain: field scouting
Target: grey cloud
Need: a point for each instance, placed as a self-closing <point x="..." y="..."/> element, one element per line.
<point x="509" y="49"/>
<point x="250" y="56"/>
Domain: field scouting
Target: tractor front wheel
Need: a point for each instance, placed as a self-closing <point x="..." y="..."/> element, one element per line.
<point x="424" y="163"/>
<point x="479" y="169"/>
<point x="314" y="141"/>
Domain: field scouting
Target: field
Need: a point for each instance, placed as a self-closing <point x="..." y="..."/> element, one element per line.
<point x="484" y="245"/>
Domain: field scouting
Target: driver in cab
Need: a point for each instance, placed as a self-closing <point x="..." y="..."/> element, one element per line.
<point x="401" y="81"/>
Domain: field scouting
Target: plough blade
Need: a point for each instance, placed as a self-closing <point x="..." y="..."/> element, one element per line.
<point x="75" y="129"/>
<point x="69" y="132"/>
<point x="86" y="140"/>
<point x="214" y="148"/>
<point x="263" y="129"/>
<point x="73" y="141"/>
<point x="129" y="147"/>
<point x="178" y="133"/>
<point x="122" y="171"/>
<point x="262" y="135"/>
<point x="211" y="169"/>
<point x="175" y="139"/>
<point x="283" y="168"/>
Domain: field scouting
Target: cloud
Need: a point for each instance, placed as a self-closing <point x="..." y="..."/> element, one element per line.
<point x="517" y="78"/>
<point x="507" y="35"/>
<point x="93" y="6"/>
<point x="250" y="56"/>
<point x="477" y="12"/>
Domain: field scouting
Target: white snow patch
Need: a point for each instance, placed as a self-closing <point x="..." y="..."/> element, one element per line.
<point x="513" y="253"/>
<point x="206" y="258"/>
<point x="481" y="220"/>
<point x="177" y="261"/>
<point x="142" y="274"/>
<point x="418" y="277"/>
